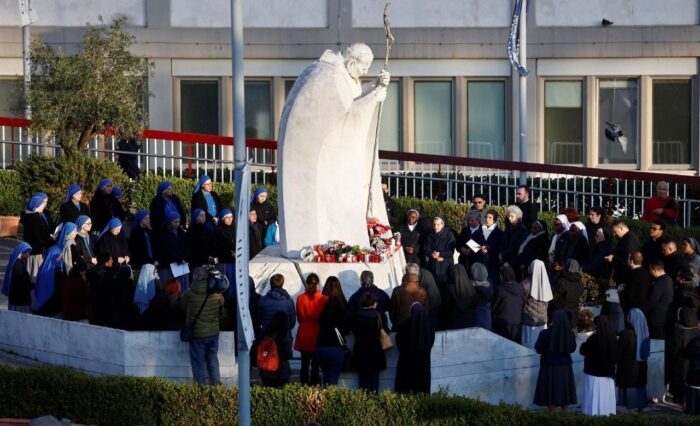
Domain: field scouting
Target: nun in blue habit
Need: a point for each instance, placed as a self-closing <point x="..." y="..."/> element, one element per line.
<point x="73" y="206"/>
<point x="84" y="248"/>
<point x="141" y="243"/>
<point x="53" y="271"/>
<point x="163" y="203"/>
<point x="38" y="228"/>
<point x="113" y="242"/>
<point x="104" y="205"/>
<point x="205" y="198"/>
<point x="17" y="285"/>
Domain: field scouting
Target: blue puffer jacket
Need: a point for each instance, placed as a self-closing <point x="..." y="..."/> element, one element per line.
<point x="277" y="299"/>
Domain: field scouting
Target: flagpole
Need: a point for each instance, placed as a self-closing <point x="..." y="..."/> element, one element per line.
<point x="523" y="90"/>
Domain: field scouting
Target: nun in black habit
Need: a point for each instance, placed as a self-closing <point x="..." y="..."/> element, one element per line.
<point x="414" y="340"/>
<point x="113" y="242"/>
<point x="556" y="386"/>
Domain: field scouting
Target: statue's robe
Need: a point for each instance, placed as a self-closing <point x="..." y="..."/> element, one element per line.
<point x="326" y="148"/>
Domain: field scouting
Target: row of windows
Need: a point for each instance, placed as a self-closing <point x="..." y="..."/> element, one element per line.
<point x="486" y="107"/>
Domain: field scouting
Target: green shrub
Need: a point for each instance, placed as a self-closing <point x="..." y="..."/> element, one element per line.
<point x="11" y="200"/>
<point x="117" y="400"/>
<point x="53" y="175"/>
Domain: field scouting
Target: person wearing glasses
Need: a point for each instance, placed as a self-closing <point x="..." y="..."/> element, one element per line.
<point x="479" y="205"/>
<point x="661" y="207"/>
<point x="651" y="249"/>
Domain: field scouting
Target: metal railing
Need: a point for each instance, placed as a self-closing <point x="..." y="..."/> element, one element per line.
<point x="408" y="174"/>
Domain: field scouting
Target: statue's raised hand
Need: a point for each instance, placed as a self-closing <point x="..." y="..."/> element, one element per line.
<point x="384" y="78"/>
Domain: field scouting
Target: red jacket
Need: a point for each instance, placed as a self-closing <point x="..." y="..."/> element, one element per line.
<point x="308" y="311"/>
<point x="667" y="203"/>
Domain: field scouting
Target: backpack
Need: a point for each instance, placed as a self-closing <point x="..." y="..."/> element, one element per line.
<point x="266" y="355"/>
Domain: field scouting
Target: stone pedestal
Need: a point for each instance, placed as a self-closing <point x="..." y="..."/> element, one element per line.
<point x="270" y="261"/>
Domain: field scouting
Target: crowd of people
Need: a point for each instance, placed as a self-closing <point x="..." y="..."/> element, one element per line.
<point x="83" y="265"/>
<point x="523" y="282"/>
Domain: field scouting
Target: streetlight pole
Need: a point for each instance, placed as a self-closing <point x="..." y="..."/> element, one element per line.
<point x="242" y="190"/>
<point x="27" y="16"/>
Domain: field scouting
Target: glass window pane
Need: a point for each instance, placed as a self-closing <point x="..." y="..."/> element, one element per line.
<point x="672" y="110"/>
<point x="288" y="87"/>
<point x="618" y="104"/>
<point x="258" y="110"/>
<point x="199" y="106"/>
<point x="486" y="119"/>
<point x="6" y="98"/>
<point x="433" y="117"/>
<point x="563" y="122"/>
<point x="390" y="128"/>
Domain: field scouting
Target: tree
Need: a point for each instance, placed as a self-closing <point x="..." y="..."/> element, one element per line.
<point x="99" y="87"/>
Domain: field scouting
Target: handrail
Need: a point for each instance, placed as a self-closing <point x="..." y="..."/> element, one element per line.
<point x="421" y="158"/>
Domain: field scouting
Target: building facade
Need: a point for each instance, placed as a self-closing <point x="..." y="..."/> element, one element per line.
<point x="453" y="91"/>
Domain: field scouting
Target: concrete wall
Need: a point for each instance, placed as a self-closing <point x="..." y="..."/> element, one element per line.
<point x="433" y="14"/>
<point x="589" y="13"/>
<point x="256" y="14"/>
<point x="470" y="362"/>
<point x="105" y="351"/>
<point x="75" y="13"/>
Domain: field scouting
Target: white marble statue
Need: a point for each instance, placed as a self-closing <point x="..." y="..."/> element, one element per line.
<point x="326" y="149"/>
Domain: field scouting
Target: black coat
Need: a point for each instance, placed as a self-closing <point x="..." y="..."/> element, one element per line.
<point x="427" y="283"/>
<point x="334" y="316"/>
<point x="636" y="292"/>
<point x="100" y="279"/>
<point x="692" y="352"/>
<point x="536" y="248"/>
<point x="491" y="258"/>
<point x="383" y="302"/>
<point x="630" y="372"/>
<point x="675" y="262"/>
<point x="202" y="244"/>
<point x="460" y="298"/>
<point x="104" y="207"/>
<point x="255" y="239"/>
<point x="129" y="162"/>
<point x="198" y="202"/>
<point x="567" y="292"/>
<point x="411" y="239"/>
<point x="444" y="243"/>
<point x="157" y="211"/>
<point x="225" y="243"/>
<point x="115" y="246"/>
<point x="466" y="256"/>
<point x="627" y="245"/>
<point x="21" y="285"/>
<point x="88" y="250"/>
<point x="573" y="248"/>
<point x="139" y="247"/>
<point x="367" y="354"/>
<point x="596" y="362"/>
<point x="37" y="231"/>
<point x="678" y="364"/>
<point x="68" y="212"/>
<point x="596" y="265"/>
<point x="164" y="313"/>
<point x="508" y="302"/>
<point x="266" y="213"/>
<point x="651" y="250"/>
<point x="171" y="248"/>
<point x="660" y="299"/>
<point x="513" y="236"/>
<point x="529" y="213"/>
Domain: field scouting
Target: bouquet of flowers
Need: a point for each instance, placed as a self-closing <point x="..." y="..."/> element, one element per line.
<point x="376" y="228"/>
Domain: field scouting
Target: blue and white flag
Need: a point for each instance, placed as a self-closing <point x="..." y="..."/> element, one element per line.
<point x="514" y="38"/>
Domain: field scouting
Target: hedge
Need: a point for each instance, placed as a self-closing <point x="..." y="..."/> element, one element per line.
<point x="120" y="400"/>
<point x="11" y="199"/>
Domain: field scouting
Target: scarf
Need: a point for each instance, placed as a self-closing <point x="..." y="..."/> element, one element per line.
<point x="486" y="230"/>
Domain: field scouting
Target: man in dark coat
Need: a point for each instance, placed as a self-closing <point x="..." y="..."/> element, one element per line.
<point x="410" y="237"/>
<point x="522" y="198"/>
<point x="652" y="247"/>
<point x="674" y="261"/>
<point x="427" y="283"/>
<point x="508" y="303"/>
<point x="660" y="299"/>
<point x="367" y="286"/>
<point x="128" y="160"/>
<point x="626" y="245"/>
<point x="635" y="285"/>
<point x="276" y="300"/>
<point x="104" y="205"/>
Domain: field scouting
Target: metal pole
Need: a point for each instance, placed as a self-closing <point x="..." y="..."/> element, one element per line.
<point x="26" y="52"/>
<point x="239" y="157"/>
<point x="523" y="91"/>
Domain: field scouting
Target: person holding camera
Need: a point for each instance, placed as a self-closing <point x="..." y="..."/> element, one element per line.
<point x="204" y="305"/>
